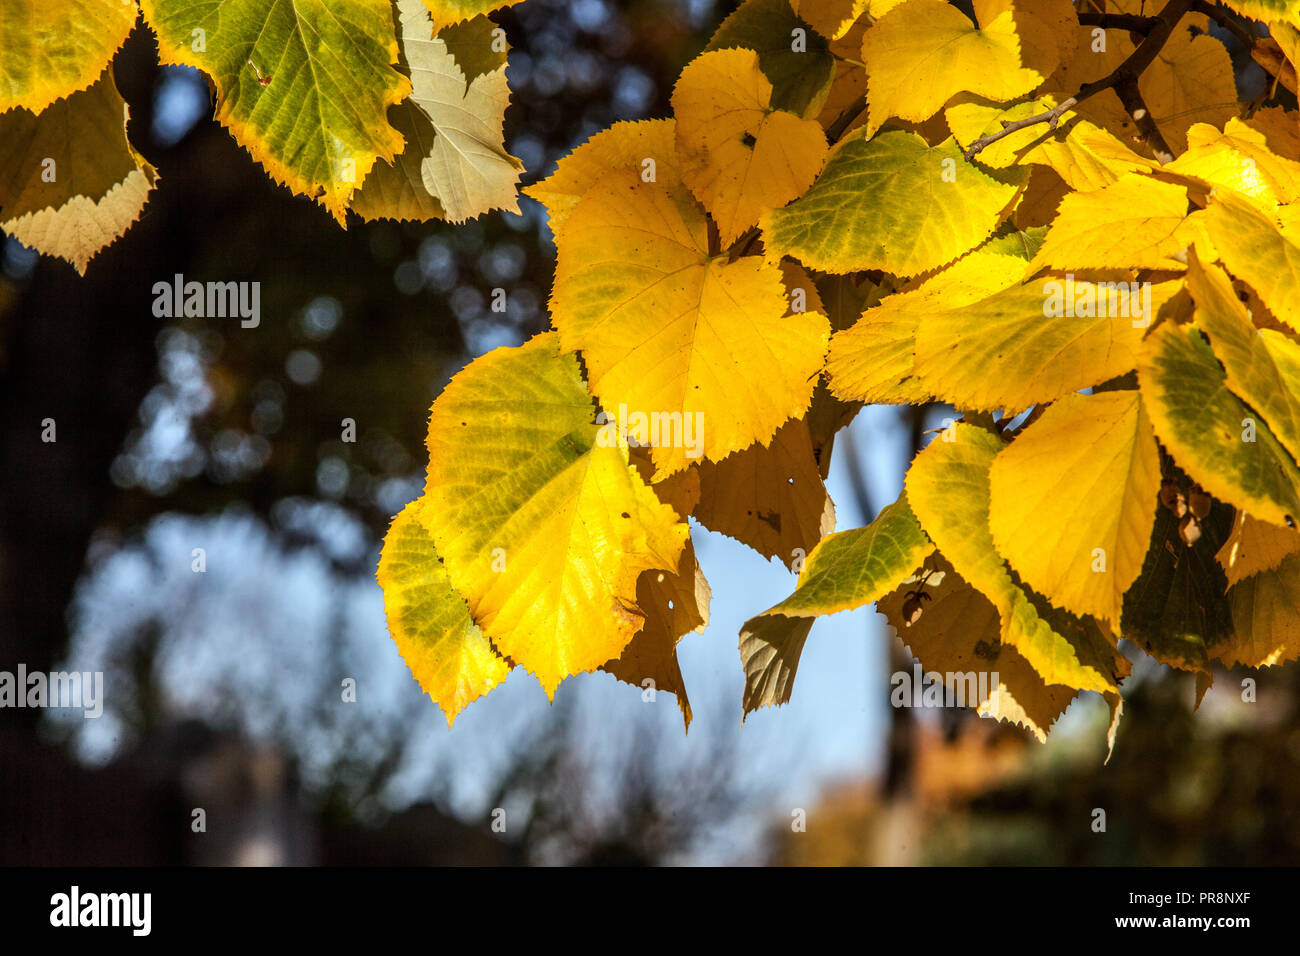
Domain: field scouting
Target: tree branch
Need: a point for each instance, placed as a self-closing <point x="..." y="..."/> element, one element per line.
<point x="1124" y="76"/>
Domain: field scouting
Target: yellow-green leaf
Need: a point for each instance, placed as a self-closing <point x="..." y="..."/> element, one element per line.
<point x="800" y="78"/>
<point x="853" y="568"/>
<point x="872" y="361"/>
<point x="453" y="11"/>
<point x="303" y="86"/>
<point x="1031" y="343"/>
<point x="948" y="489"/>
<point x="72" y="182"/>
<point x="1262" y="365"/>
<point x="1072" y="501"/>
<point x="53" y="48"/>
<point x="445" y="650"/>
<point x="1256" y="250"/>
<point x="542" y="529"/>
<point x="1212" y="435"/>
<point x="892" y="203"/>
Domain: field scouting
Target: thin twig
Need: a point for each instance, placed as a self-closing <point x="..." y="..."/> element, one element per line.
<point x="1125" y="75"/>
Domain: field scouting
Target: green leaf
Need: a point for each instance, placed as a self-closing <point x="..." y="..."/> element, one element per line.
<point x="892" y="203"/>
<point x="1262" y="365"/>
<point x="303" y="86"/>
<point x="800" y="79"/>
<point x="1212" y="435"/>
<point x="853" y="568"/>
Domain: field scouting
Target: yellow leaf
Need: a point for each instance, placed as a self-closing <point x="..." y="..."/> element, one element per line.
<point x="1131" y="224"/>
<point x="948" y="489"/>
<point x="1190" y="82"/>
<point x="454" y="165"/>
<point x="1255" y="250"/>
<point x="769" y="497"/>
<point x="872" y="361"/>
<point x="892" y="203"/>
<point x="542" y="529"/>
<point x="674" y="603"/>
<point x="739" y="156"/>
<point x="1072" y="500"/>
<point x="647" y="146"/>
<point x="1031" y="343"/>
<point x="1255" y="546"/>
<point x="304" y="87"/>
<point x="1088" y="157"/>
<point x="1238" y="159"/>
<point x="831" y="18"/>
<point x="73" y="182"/>
<point x="1265" y="619"/>
<point x="923" y="52"/>
<point x="663" y="325"/>
<point x="445" y="12"/>
<point x="53" y="48"/>
<point x="428" y="620"/>
<point x="959" y="635"/>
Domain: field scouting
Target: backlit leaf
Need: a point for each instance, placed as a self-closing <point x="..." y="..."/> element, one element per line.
<point x="958" y="635"/>
<point x="447" y="653"/>
<point x="923" y="52"/>
<point x="892" y="203"/>
<point x="739" y="156"/>
<point x="948" y="489"/>
<point x="305" y="87"/>
<point x="665" y="326"/>
<point x="73" y="183"/>
<point x="1071" y="501"/>
<point x="1021" y="346"/>
<point x="800" y="78"/>
<point x="53" y="48"/>
<point x="454" y="165"/>
<point x="543" y="530"/>
<point x="1212" y="435"/>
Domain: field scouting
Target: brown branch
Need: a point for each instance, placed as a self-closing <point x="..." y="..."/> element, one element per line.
<point x="1132" y="22"/>
<point x="847" y="116"/>
<point x="1131" y="97"/>
<point x="1224" y="19"/>
<point x="1125" y="75"/>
